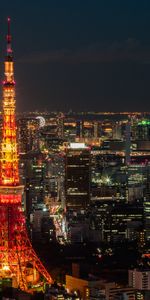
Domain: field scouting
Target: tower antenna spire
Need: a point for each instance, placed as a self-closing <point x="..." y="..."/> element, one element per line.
<point x="9" y="48"/>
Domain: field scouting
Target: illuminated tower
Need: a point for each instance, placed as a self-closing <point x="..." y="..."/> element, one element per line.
<point x="18" y="261"/>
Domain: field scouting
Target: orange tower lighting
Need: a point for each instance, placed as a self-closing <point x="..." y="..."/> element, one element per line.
<point x="18" y="260"/>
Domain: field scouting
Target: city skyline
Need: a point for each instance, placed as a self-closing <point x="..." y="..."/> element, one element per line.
<point x="74" y="169"/>
<point x="80" y="57"/>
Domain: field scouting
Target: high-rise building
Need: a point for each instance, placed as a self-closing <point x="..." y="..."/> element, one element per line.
<point x="18" y="260"/>
<point x="143" y="130"/>
<point x="139" y="279"/>
<point x="37" y="181"/>
<point x="77" y="177"/>
<point x="27" y="130"/>
<point x="60" y="125"/>
<point x="115" y="221"/>
<point x="147" y="208"/>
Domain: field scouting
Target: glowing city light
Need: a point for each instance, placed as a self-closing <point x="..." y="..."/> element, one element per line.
<point x="77" y="146"/>
<point x="6" y="268"/>
<point x="42" y="121"/>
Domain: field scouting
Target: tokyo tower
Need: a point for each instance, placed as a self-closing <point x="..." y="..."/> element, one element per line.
<point x="18" y="261"/>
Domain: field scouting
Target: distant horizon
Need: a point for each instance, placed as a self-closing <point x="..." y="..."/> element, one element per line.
<point x="84" y="112"/>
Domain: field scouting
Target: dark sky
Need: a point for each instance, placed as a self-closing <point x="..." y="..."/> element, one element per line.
<point x="81" y="55"/>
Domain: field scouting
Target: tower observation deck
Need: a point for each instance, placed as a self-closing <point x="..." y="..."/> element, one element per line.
<point x="18" y="260"/>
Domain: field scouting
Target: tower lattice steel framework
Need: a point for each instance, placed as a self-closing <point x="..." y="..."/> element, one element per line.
<point x="18" y="260"/>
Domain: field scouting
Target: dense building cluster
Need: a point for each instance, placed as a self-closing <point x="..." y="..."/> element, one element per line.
<point x="93" y="166"/>
<point x="86" y="180"/>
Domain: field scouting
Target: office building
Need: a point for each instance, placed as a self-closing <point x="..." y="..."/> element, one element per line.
<point x="77" y="176"/>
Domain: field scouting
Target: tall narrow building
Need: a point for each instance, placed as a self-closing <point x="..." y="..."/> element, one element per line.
<point x="18" y="261"/>
<point x="77" y="176"/>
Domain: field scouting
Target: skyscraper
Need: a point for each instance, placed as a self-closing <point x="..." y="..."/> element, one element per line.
<point x="77" y="177"/>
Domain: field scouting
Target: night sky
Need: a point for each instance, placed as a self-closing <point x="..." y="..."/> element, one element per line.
<point x="79" y="55"/>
